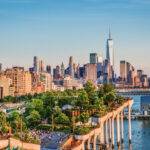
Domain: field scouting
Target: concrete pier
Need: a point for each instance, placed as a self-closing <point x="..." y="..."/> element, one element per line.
<point x="105" y="131"/>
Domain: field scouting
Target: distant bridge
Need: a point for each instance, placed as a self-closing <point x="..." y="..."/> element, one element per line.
<point x="135" y="91"/>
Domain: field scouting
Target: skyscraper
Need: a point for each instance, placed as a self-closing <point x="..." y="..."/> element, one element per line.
<point x="139" y="73"/>
<point x="41" y="66"/>
<point x="91" y="72"/>
<point x="0" y="67"/>
<point x="48" y="69"/>
<point x="107" y="72"/>
<point x="123" y="70"/>
<point x="57" y="72"/>
<point x="110" y="50"/>
<point x="36" y="64"/>
<point x="93" y="58"/>
<point x="62" y="70"/>
<point x="71" y="70"/>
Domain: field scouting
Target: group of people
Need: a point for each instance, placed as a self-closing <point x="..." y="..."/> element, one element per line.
<point x="53" y="139"/>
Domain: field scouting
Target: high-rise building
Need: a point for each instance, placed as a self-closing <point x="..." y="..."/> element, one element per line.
<point x="17" y="76"/>
<point x="144" y="80"/>
<point x="46" y="79"/>
<point x="70" y="83"/>
<point x="81" y="72"/>
<point x="71" y="70"/>
<point x="123" y="70"/>
<point x="5" y="84"/>
<point x="27" y="82"/>
<point x="21" y="80"/>
<point x="110" y="50"/>
<point x="57" y="72"/>
<point x="99" y="70"/>
<point x="139" y="73"/>
<point x="0" y="67"/>
<point x="48" y="69"/>
<point x="132" y="76"/>
<point x="128" y="68"/>
<point x="62" y="70"/>
<point x="36" y="64"/>
<point x="77" y="72"/>
<point x="41" y="66"/>
<point x="93" y="58"/>
<point x="91" y="72"/>
<point x="107" y="72"/>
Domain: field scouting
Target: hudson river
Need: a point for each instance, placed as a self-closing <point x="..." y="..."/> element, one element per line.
<point x="140" y="131"/>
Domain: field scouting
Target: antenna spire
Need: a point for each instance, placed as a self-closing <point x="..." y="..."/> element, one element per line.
<point x="109" y="33"/>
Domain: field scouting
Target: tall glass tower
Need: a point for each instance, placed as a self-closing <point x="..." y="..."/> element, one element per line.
<point x="110" y="50"/>
<point x="36" y="64"/>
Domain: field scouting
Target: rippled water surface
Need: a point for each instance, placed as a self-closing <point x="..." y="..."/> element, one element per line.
<point x="140" y="131"/>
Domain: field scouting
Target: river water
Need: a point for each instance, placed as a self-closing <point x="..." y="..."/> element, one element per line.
<point x="140" y="131"/>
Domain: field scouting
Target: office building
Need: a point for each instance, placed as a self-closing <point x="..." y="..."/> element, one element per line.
<point x="21" y="80"/>
<point x="107" y="72"/>
<point x="62" y="70"/>
<point x="46" y="80"/>
<point x="71" y="83"/>
<point x="93" y="58"/>
<point x="110" y="50"/>
<point x="48" y="69"/>
<point x="91" y="72"/>
<point x="41" y="66"/>
<point x="0" y="67"/>
<point x="139" y="73"/>
<point x="71" y="69"/>
<point x="5" y="84"/>
<point x="27" y="82"/>
<point x="57" y="73"/>
<point x="36" y="64"/>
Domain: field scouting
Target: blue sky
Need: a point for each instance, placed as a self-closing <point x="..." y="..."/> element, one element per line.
<point x="56" y="29"/>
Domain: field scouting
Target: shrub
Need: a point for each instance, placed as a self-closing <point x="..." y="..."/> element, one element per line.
<point x="80" y="130"/>
<point x="44" y="127"/>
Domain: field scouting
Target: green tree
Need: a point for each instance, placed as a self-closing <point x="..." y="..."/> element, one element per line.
<point x="84" y="117"/>
<point x="16" y="121"/>
<point x="82" y="100"/>
<point x="62" y="119"/>
<point x="3" y="122"/>
<point x="110" y="98"/>
<point x="108" y="88"/>
<point x="8" y="99"/>
<point x="33" y="119"/>
<point x="35" y="104"/>
<point x="89" y="87"/>
<point x="91" y="92"/>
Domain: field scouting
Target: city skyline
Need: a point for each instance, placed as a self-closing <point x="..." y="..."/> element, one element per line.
<point x="76" y="28"/>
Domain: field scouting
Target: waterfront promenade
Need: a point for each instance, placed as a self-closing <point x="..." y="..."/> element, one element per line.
<point x="105" y="132"/>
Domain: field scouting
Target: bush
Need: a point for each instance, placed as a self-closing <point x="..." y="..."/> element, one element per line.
<point x="82" y="130"/>
<point x="65" y="129"/>
<point x="45" y="127"/>
<point x="84" y="117"/>
<point x="62" y="119"/>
